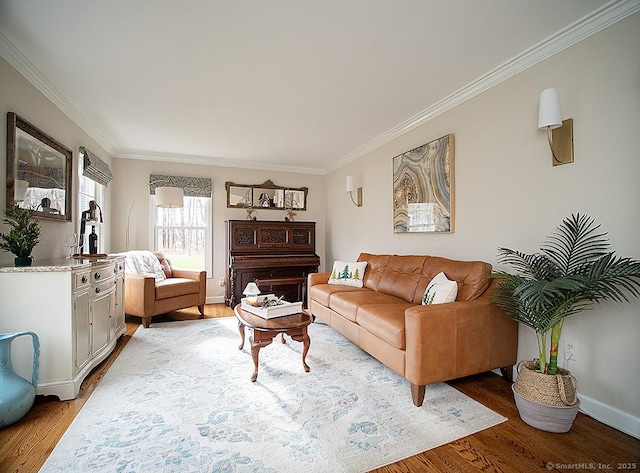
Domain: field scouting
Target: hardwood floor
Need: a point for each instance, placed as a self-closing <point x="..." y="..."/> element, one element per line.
<point x="511" y="446"/>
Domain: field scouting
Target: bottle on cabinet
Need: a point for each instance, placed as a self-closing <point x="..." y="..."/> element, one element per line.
<point x="93" y="241"/>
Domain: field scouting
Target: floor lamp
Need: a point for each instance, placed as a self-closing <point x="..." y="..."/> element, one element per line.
<point x="167" y="197"/>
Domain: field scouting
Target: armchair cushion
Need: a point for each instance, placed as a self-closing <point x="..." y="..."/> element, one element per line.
<point x="173" y="287"/>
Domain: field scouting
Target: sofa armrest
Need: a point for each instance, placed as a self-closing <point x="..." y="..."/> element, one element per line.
<point x="197" y="275"/>
<point x="318" y="278"/>
<point x="139" y="294"/>
<point x="312" y="280"/>
<point x="451" y="340"/>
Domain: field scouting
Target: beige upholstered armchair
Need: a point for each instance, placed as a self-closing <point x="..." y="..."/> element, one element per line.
<point x="153" y="286"/>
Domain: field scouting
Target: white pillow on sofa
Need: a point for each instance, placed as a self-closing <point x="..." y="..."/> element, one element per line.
<point x="440" y="290"/>
<point x="348" y="273"/>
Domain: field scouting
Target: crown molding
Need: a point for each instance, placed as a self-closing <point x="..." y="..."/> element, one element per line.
<point x="24" y="66"/>
<point x="210" y="161"/>
<point x="591" y="24"/>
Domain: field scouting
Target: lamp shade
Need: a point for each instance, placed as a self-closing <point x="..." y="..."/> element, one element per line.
<point x="549" y="110"/>
<point x="169" y="197"/>
<point x="350" y="186"/>
<point x="251" y="289"/>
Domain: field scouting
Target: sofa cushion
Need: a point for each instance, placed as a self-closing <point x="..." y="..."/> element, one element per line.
<point x="376" y="265"/>
<point x="347" y="303"/>
<point x="385" y="321"/>
<point x="401" y="277"/>
<point x="173" y="287"/>
<point x="348" y="273"/>
<point x="322" y="292"/>
<point x="472" y="276"/>
<point x="440" y="290"/>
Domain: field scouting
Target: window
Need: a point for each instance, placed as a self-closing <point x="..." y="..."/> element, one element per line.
<point x="184" y="234"/>
<point x="89" y="190"/>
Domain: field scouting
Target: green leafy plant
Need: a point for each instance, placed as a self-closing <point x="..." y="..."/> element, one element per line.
<point x="573" y="270"/>
<point x="24" y="234"/>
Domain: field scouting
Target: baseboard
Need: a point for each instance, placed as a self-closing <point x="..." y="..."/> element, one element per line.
<point x="215" y="300"/>
<point x="608" y="415"/>
<point x="611" y="416"/>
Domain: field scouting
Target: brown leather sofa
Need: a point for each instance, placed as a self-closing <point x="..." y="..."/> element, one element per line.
<point x="423" y="343"/>
<point x="145" y="296"/>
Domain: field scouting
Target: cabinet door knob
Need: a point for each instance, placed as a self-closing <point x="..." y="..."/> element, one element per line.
<point x="97" y="290"/>
<point x="84" y="279"/>
<point x="96" y="276"/>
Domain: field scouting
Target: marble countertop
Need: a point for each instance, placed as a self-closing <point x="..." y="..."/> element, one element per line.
<point x="57" y="265"/>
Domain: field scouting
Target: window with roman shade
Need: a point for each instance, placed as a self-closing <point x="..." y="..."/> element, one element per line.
<point x="95" y="168"/>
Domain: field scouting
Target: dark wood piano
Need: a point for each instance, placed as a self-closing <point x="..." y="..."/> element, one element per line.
<point x="277" y="256"/>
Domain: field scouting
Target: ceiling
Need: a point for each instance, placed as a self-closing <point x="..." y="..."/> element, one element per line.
<point x="296" y="85"/>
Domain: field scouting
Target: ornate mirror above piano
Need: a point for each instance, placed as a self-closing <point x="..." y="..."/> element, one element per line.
<point x="266" y="196"/>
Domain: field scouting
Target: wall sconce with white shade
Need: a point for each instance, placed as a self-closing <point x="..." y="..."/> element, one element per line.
<point x="351" y="189"/>
<point x="252" y="292"/>
<point x="559" y="132"/>
<point x="166" y="197"/>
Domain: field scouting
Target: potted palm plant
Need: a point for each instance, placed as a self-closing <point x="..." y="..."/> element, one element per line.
<point x="23" y="236"/>
<point x="573" y="270"/>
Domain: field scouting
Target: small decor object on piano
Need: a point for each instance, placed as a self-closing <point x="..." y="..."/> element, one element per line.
<point x="269" y="306"/>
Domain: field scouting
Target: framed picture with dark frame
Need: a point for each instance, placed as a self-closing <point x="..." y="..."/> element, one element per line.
<point x="39" y="171"/>
<point x="423" y="192"/>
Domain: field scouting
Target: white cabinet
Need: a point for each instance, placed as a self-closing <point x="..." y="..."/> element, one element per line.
<point x="118" y="319"/>
<point x="81" y="319"/>
<point x="73" y="308"/>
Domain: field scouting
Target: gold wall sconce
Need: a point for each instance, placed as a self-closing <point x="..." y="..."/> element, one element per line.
<point x="351" y="189"/>
<point x="559" y="132"/>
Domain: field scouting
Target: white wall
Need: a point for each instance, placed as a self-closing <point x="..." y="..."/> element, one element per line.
<point x="19" y="96"/>
<point x="508" y="194"/>
<point x="130" y="177"/>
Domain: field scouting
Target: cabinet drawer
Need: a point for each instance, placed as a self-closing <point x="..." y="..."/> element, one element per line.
<point x="82" y="280"/>
<point x="102" y="273"/>
<point x="103" y="288"/>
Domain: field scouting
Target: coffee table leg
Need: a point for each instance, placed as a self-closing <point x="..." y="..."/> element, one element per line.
<point x="255" y="352"/>
<point x="306" y="343"/>
<point x="241" y="329"/>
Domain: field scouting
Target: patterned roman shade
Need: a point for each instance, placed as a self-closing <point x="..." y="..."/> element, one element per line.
<point x="191" y="186"/>
<point x="95" y="168"/>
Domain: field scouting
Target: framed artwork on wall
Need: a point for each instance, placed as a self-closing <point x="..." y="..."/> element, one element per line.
<point x="423" y="188"/>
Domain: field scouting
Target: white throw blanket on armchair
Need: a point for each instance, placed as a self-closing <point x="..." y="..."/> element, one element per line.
<point x="143" y="262"/>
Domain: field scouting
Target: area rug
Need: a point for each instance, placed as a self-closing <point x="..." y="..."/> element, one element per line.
<point x="179" y="399"/>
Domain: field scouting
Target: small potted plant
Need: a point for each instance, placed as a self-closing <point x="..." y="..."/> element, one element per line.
<point x="23" y="236"/>
<point x="573" y="270"/>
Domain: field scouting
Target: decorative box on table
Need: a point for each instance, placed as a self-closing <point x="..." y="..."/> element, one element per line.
<point x="285" y="308"/>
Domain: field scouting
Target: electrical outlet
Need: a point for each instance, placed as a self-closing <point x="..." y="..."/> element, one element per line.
<point x="221" y="282"/>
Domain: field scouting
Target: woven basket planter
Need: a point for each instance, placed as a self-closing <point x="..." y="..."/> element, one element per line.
<point x="546" y="402"/>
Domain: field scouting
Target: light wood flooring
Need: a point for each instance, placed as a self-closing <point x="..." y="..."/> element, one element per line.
<point x="511" y="446"/>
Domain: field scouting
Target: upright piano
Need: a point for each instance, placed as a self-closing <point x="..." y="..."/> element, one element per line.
<point x="277" y="256"/>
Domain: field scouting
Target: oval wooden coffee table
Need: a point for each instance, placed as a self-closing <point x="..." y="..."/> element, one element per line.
<point x="264" y="331"/>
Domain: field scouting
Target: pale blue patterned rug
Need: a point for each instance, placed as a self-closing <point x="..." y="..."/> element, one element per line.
<point x="179" y="399"/>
